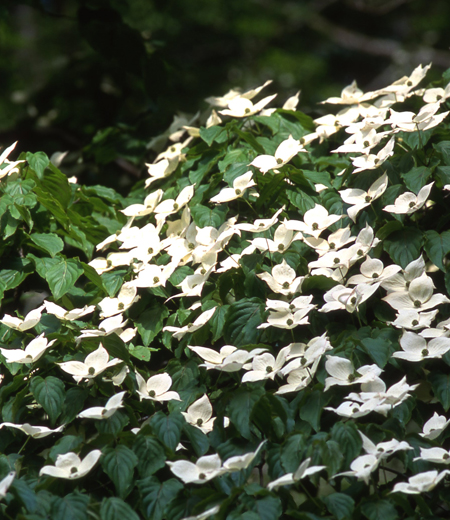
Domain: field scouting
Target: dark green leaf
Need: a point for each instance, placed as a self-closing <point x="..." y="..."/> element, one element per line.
<point x="348" y="438"/>
<point x="116" y="347"/>
<point x="199" y="441"/>
<point x="209" y="135"/>
<point x="242" y="320"/>
<point x="440" y="383"/>
<point x="416" y="178"/>
<point x="240" y="409"/>
<point x="341" y="506"/>
<point x="312" y="407"/>
<point x="119" y="463"/>
<point x="49" y="393"/>
<point x="437" y="246"/>
<point x="444" y="149"/>
<point x="151" y="321"/>
<point x="156" y="496"/>
<point x="114" y="508"/>
<point x="404" y="246"/>
<point x="71" y="507"/>
<point x="48" y="242"/>
<point x="268" y="508"/>
<point x="150" y="454"/>
<point x="387" y="229"/>
<point x="204" y="216"/>
<point x="25" y="494"/>
<point x="168" y="428"/>
<point x="379" y="510"/>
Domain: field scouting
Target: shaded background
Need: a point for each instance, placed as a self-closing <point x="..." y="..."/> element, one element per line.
<point x="99" y="78"/>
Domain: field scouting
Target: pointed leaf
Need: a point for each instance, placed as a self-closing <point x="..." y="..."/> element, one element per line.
<point x="49" y="393"/>
<point x="168" y="428"/>
<point x="156" y="495"/>
<point x="119" y="463"/>
<point x="114" y="508"/>
<point x="70" y="507"/>
<point x="340" y="505"/>
<point x="48" y="242"/>
<point x="62" y="276"/>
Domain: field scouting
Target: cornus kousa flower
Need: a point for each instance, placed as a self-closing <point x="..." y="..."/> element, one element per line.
<point x="282" y="239"/>
<point x="371" y="161"/>
<point x="424" y="120"/>
<point x="229" y="359"/>
<point x="436" y="455"/>
<point x="433" y="95"/>
<point x="206" y="468"/>
<point x="315" y="221"/>
<point x="239" y="462"/>
<point x="343" y="373"/>
<point x="408" y="202"/>
<point x="359" y="199"/>
<point x="243" y="107"/>
<point x="260" y="225"/>
<point x="361" y="468"/>
<point x="70" y="466"/>
<point x="264" y="366"/>
<point x="169" y="206"/>
<point x="30" y="320"/>
<point x="372" y="271"/>
<point x="298" y="378"/>
<point x="304" y="470"/>
<point x="401" y="281"/>
<point x="62" y="314"/>
<point x="419" y="296"/>
<point x="95" y="363"/>
<point x="156" y="388"/>
<point x="5" y="483"/>
<point x="115" y="324"/>
<point x="104" y="412"/>
<point x="33" y="351"/>
<point x="140" y="210"/>
<point x="283" y="279"/>
<point x="199" y="414"/>
<point x="36" y="432"/>
<point x="421" y="483"/>
<point x="240" y="185"/>
<point x="340" y="297"/>
<point x="10" y="165"/>
<point x="222" y="101"/>
<point x="416" y="348"/>
<point x="288" y="316"/>
<point x="334" y="242"/>
<point x="288" y="149"/>
<point x="434" y="426"/>
<point x="385" y="449"/>
<point x="198" y="323"/>
<point x="413" y="320"/>
<point x="125" y="299"/>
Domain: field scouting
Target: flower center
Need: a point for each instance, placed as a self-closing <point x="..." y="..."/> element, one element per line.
<point x="104" y="411"/>
<point x="261" y="224"/>
<point x="247" y="111"/>
<point x="173" y="149"/>
<point x="409" y="83"/>
<point x="355" y="410"/>
<point x="366" y="143"/>
<point x="414" y="323"/>
<point x="191" y="245"/>
<point x="121" y="306"/>
<point x="91" y="371"/>
<point x="269" y="370"/>
<point x="237" y="191"/>
<point x="73" y="470"/>
<point x="425" y="352"/>
<point x="199" y="422"/>
<point x="303" y="361"/>
<point x="286" y="285"/>
<point x="203" y="271"/>
<point x="359" y="252"/>
<point x="190" y="325"/>
<point x="279" y="161"/>
<point x="291" y="307"/>
<point x="351" y="378"/>
<point x="375" y="275"/>
<point x="438" y="97"/>
<point x="108" y="263"/>
<point x="332" y="245"/>
<point x="315" y="226"/>
<point x="353" y="300"/>
<point x="376" y="161"/>
<point x="150" y="250"/>
<point x="202" y="476"/>
<point x="417" y="303"/>
<point x="155" y="279"/>
<point x="302" y="141"/>
<point x="289" y="322"/>
<point x="152" y="393"/>
<point x="175" y="206"/>
<point x="368" y="198"/>
<point x="280" y="247"/>
<point x="446" y="456"/>
<point x="412" y="204"/>
<point x="336" y="260"/>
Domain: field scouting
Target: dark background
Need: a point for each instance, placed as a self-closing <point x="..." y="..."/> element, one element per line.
<point x="99" y="78"/>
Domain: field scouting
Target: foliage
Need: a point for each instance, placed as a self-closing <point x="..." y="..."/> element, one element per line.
<point x="189" y="349"/>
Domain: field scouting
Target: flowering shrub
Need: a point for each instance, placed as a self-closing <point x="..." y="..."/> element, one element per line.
<point x="261" y="329"/>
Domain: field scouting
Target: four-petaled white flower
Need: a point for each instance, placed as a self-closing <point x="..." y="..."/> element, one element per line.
<point x="156" y="388"/>
<point x="315" y="221"/>
<point x="104" y="412"/>
<point x="416" y="348"/>
<point x="264" y="366"/>
<point x="5" y="483"/>
<point x="243" y="107"/>
<point x="70" y="466"/>
<point x="206" y="468"/>
<point x="434" y="426"/>
<point x="359" y="199"/>
<point x="283" y="154"/>
<point x="36" y="432"/>
<point x="421" y="483"/>
<point x="62" y="314"/>
<point x="408" y="202"/>
<point x="372" y="161"/>
<point x="33" y="351"/>
<point x="436" y="455"/>
<point x="361" y="468"/>
<point x="198" y="323"/>
<point x="95" y="363"/>
<point x="304" y="470"/>
<point x="199" y="414"/>
<point x="343" y="373"/>
<point x="238" y="462"/>
<point x="283" y="279"/>
<point x="30" y="320"/>
<point x="373" y="271"/>
<point x="240" y="185"/>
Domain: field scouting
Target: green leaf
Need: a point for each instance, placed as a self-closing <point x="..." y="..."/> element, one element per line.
<point x="312" y="407"/>
<point x="114" y="508"/>
<point x="440" y="383"/>
<point x="74" y="403"/>
<point x="199" y="441"/>
<point x="300" y="200"/>
<point x="437" y="246"/>
<point x="379" y="349"/>
<point x="168" y="428"/>
<point x="416" y="178"/>
<point x="113" y="281"/>
<point x="379" y="510"/>
<point x="25" y="494"/>
<point x="150" y="454"/>
<point x="156" y="496"/>
<point x="348" y="438"/>
<point x="71" y="507"/>
<point x="209" y="135"/>
<point x="444" y="149"/>
<point x="340" y="505"/>
<point x="240" y="409"/>
<point x="387" y="229"/>
<point x="150" y="322"/>
<point x="332" y="457"/>
<point x="204" y="216"/>
<point x="242" y="320"/>
<point x="116" y="347"/>
<point x="268" y="508"/>
<point x="38" y="161"/>
<point x="140" y="352"/>
<point x="66" y="444"/>
<point x="53" y="205"/>
<point x="62" y="276"/>
<point x="404" y="246"/>
<point x="119" y="463"/>
<point x="48" y="242"/>
<point x="49" y="393"/>
<point x="114" y="424"/>
<point x="251" y="140"/>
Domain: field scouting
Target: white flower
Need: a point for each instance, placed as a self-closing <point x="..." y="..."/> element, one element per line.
<point x="125" y="299"/>
<point x="95" y="363"/>
<point x="264" y="366"/>
<point x="206" y="468"/>
<point x="415" y="348"/>
<point x="283" y="154"/>
<point x="169" y="206"/>
<point x="361" y="468"/>
<point x="383" y="450"/>
<point x="304" y="470"/>
<point x="222" y="101"/>
<point x="359" y="199"/>
<point x="30" y="320"/>
<point x="434" y="426"/>
<point x="282" y="239"/>
<point x="334" y="242"/>
<point x="10" y="165"/>
<point x="62" y="314"/>
<point x="408" y="202"/>
<point x="100" y="412"/>
<point x="203" y="516"/>
<point x="153" y="275"/>
<point x="243" y="107"/>
<point x="340" y="297"/>
<point x="239" y="462"/>
<point x="421" y="483"/>
<point x="436" y="455"/>
<point x="411" y="319"/>
<point x="156" y="388"/>
<point x="37" y="432"/>
<point x="149" y="206"/>
<point x="283" y="279"/>
<point x="240" y="184"/>
<point x="199" y="414"/>
<point x="114" y="324"/>
<point x="372" y="271"/>
<point x="298" y="378"/>
<point x="315" y="221"/>
<point x="5" y="483"/>
<point x="419" y="296"/>
<point x="229" y="359"/>
<point x="371" y="161"/>
<point x="70" y="466"/>
<point x="401" y="281"/>
<point x="260" y="224"/>
<point x="33" y="351"/>
<point x="198" y="323"/>
<point x="343" y="372"/>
